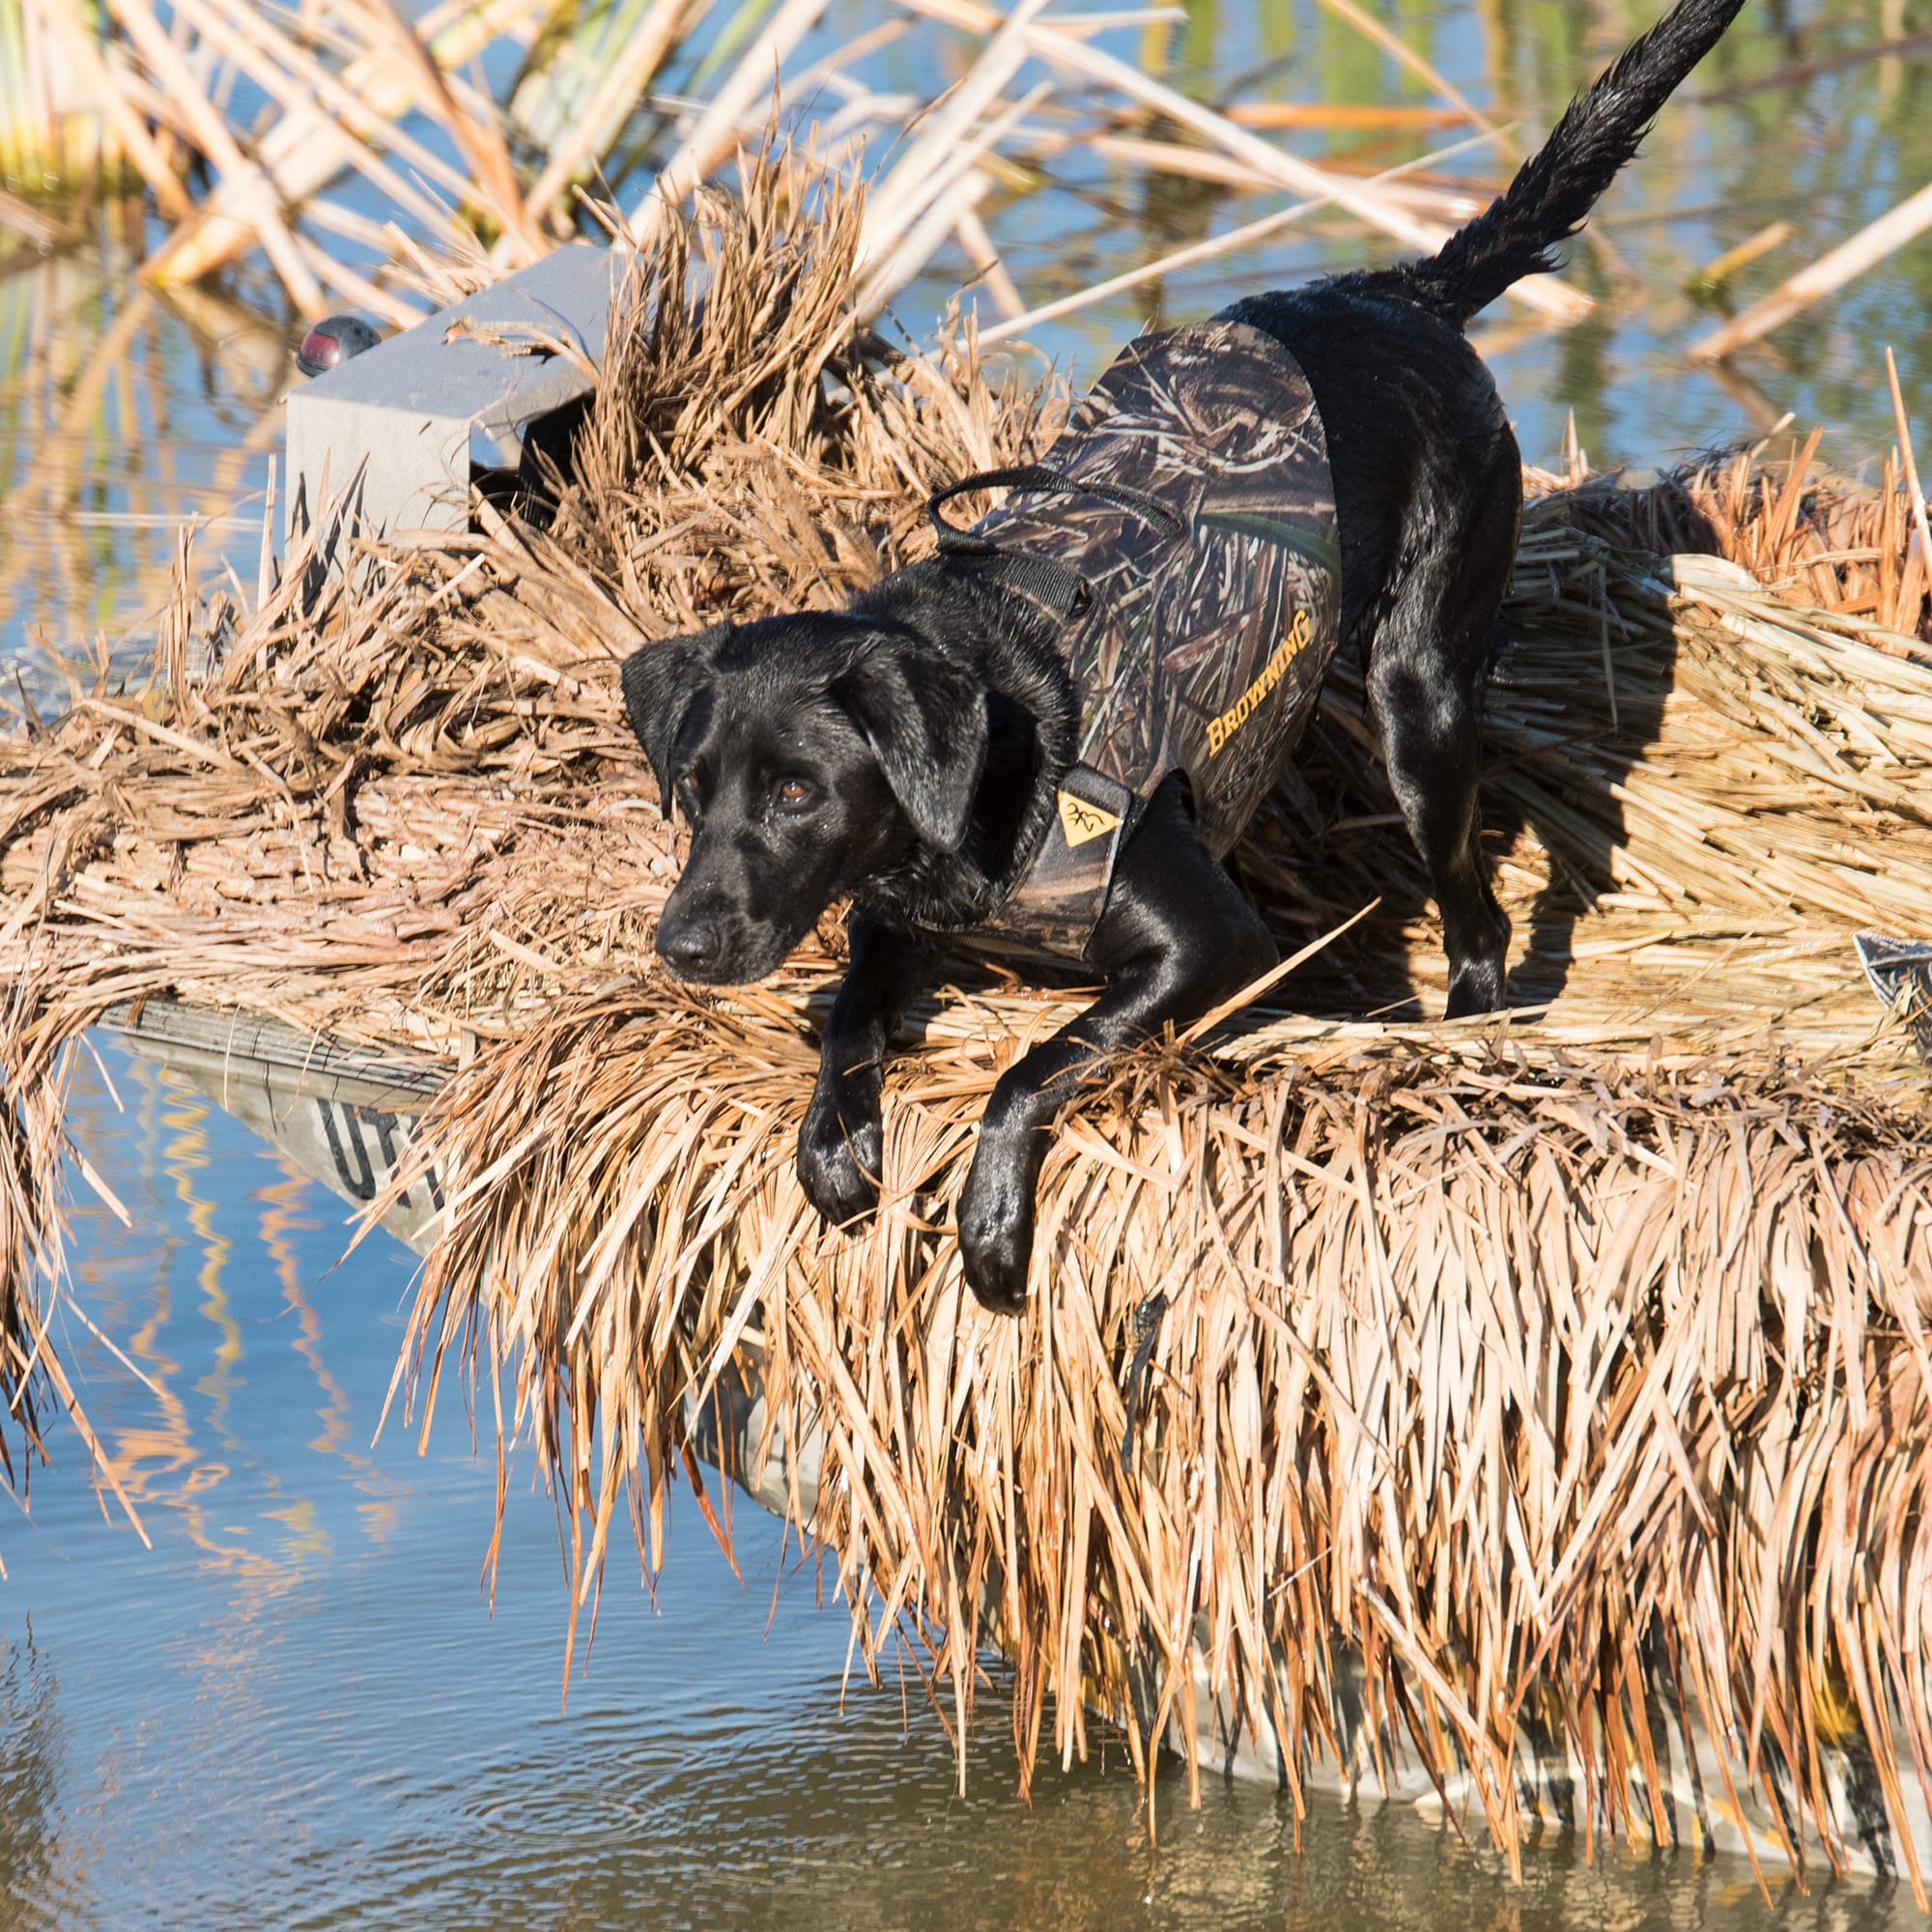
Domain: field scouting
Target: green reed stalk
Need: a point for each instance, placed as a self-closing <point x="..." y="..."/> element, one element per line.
<point x="53" y="137"/>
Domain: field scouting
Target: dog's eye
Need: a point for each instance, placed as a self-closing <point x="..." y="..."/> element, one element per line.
<point x="795" y="795"/>
<point x="687" y="797"/>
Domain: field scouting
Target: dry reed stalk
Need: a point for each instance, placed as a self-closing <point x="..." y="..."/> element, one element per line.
<point x="1815" y="538"/>
<point x="1914" y="491"/>
<point x="1199" y="164"/>
<point x="297" y="82"/>
<point x="1481" y="1378"/>
<point x="36" y="1061"/>
<point x="987" y="265"/>
<point x="1276" y="115"/>
<point x="472" y="124"/>
<point x="341" y="88"/>
<point x="1831" y="272"/>
<point x="934" y="150"/>
<point x="1717" y="271"/>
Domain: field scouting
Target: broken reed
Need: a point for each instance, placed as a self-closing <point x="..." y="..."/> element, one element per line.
<point x="1526" y="1362"/>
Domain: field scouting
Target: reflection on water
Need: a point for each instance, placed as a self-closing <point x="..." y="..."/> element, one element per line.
<point x="122" y="412"/>
<point x="297" y="1710"/>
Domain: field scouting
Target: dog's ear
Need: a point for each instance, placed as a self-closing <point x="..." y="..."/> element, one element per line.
<point x="661" y="684"/>
<point x="926" y="721"/>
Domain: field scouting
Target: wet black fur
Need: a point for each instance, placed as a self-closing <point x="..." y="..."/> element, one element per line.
<point x="906" y="750"/>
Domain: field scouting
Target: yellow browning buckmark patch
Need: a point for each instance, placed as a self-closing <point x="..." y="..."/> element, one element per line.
<point x="1081" y="821"/>
<point x="1220" y="729"/>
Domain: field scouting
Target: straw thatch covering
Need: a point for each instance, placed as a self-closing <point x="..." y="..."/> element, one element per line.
<point x="1513" y="1371"/>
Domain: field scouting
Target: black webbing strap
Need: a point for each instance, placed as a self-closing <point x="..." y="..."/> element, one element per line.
<point x="1058" y="589"/>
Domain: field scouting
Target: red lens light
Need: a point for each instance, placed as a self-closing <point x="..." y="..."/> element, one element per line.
<point x="318" y="351"/>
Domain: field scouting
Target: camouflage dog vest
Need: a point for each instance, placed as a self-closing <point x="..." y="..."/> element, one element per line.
<point x="1192" y="568"/>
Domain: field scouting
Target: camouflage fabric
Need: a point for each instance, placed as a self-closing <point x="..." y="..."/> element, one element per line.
<point x="1200" y="651"/>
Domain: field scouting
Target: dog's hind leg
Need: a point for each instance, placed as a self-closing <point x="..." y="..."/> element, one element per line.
<point x="1427" y="667"/>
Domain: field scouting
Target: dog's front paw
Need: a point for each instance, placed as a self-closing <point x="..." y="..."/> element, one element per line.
<point x="840" y="1149"/>
<point x="996" y="1240"/>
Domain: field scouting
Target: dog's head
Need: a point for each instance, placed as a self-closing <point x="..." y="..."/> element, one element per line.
<point x="808" y="753"/>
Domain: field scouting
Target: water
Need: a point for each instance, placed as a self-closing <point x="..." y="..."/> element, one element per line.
<point x="1739" y="147"/>
<point x="123" y="411"/>
<point x="298" y="1707"/>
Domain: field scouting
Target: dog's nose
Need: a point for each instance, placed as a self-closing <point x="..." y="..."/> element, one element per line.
<point x="687" y="945"/>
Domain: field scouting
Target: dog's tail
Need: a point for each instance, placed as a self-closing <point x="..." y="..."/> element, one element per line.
<point x="1555" y="190"/>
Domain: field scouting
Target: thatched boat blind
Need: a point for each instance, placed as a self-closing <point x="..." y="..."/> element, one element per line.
<point x="1438" y="1394"/>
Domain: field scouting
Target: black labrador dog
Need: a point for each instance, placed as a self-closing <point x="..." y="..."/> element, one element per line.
<point x="913" y="751"/>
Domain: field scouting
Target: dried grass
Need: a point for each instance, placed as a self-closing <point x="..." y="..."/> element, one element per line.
<point x="1524" y="1370"/>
